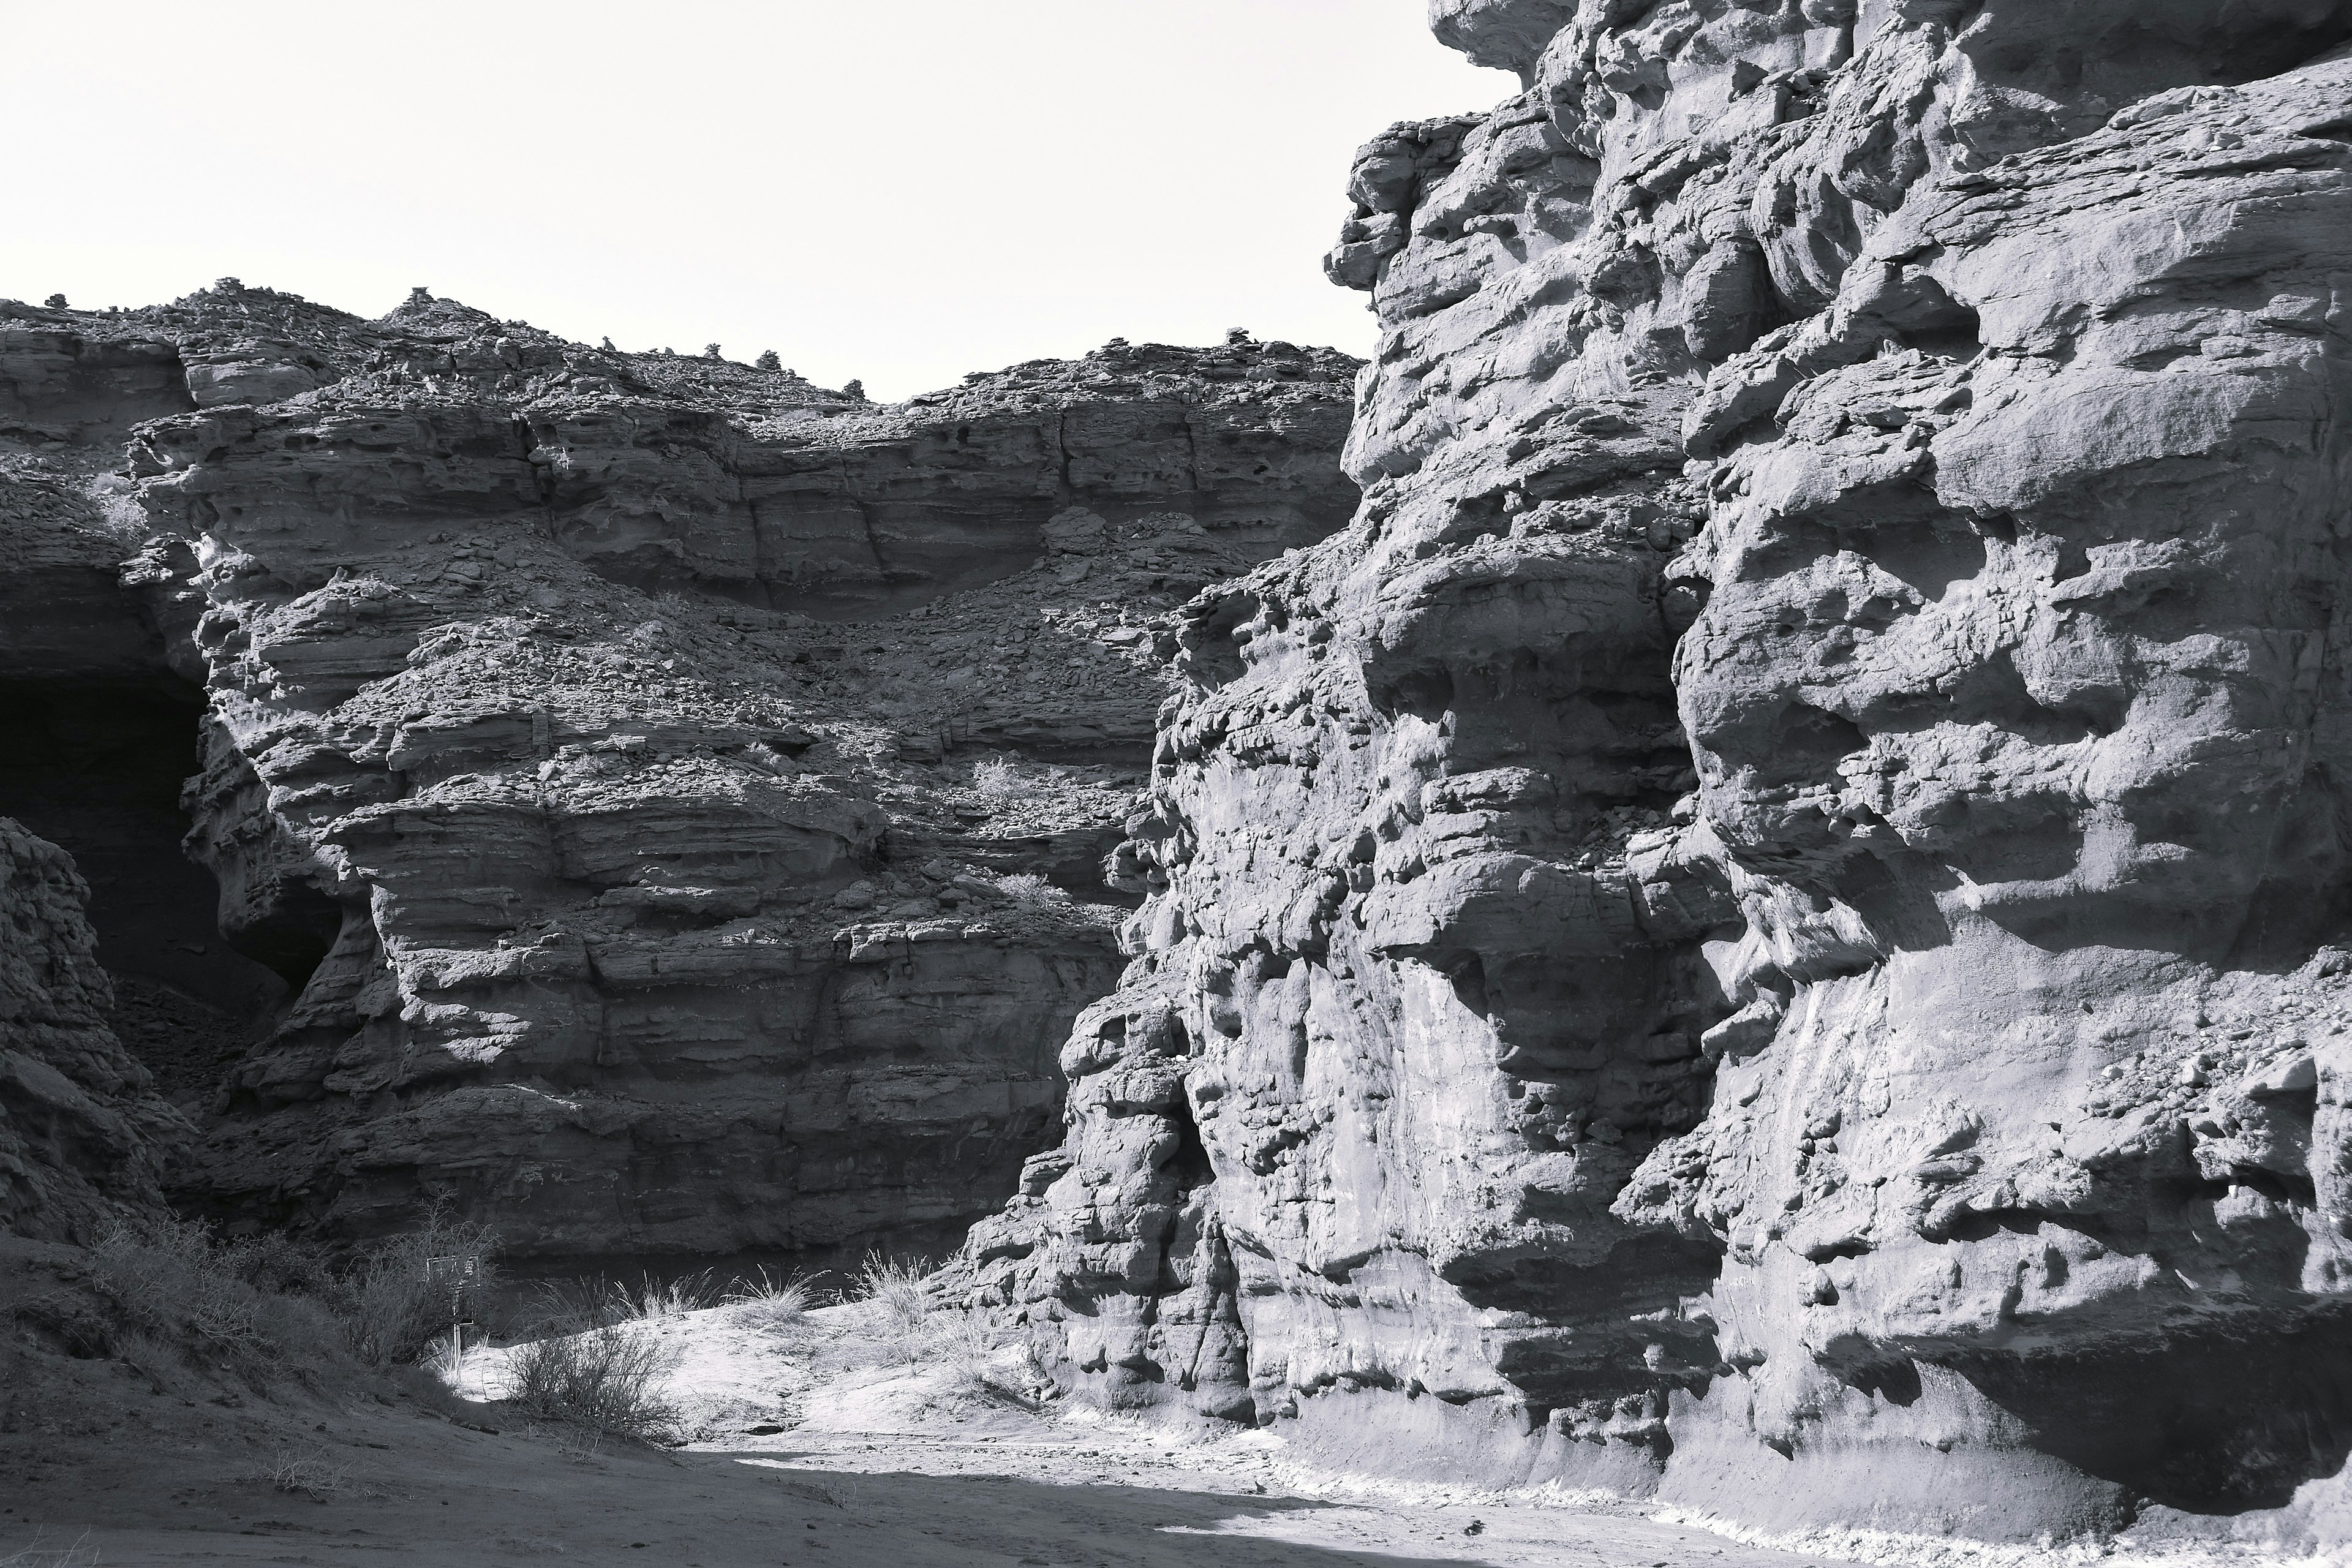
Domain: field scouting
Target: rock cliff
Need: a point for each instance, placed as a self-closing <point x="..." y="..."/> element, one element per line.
<point x="81" y="1132"/>
<point x="1766" y="926"/>
<point x="652" y="802"/>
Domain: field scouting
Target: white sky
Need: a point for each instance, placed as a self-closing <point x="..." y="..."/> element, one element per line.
<point x="900" y="191"/>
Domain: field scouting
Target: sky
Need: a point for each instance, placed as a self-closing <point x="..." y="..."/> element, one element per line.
<point x="899" y="190"/>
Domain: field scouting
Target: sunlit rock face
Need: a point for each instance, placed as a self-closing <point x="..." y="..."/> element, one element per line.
<point x="648" y="802"/>
<point x="1766" y="926"/>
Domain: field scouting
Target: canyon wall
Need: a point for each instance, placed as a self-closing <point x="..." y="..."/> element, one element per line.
<point x="1766" y="926"/>
<point x="649" y="802"/>
<point x="82" y="1134"/>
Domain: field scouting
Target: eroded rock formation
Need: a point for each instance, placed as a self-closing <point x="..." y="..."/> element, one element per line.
<point x="82" y="1134"/>
<point x="1766" y="926"/>
<point x="654" y="803"/>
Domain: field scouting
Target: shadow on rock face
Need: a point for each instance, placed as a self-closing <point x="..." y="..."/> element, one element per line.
<point x="97" y="765"/>
<point x="2222" y="1423"/>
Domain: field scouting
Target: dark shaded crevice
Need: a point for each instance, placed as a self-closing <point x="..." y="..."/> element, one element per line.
<point x="96" y="766"/>
<point x="2208" y="1423"/>
<point x="1188" y="1168"/>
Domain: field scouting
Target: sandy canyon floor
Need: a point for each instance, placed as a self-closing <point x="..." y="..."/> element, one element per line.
<point x="792" y="1457"/>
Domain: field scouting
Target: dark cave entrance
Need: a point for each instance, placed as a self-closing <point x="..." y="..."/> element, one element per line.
<point x="96" y="765"/>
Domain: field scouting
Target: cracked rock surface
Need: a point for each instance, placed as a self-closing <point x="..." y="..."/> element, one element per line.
<point x="652" y="802"/>
<point x="1767" y="925"/>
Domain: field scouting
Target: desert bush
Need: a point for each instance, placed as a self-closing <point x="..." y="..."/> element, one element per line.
<point x="609" y="1378"/>
<point x="274" y="1261"/>
<point x="400" y="1296"/>
<point x="996" y="777"/>
<point x="268" y="1305"/>
<point x="1030" y="891"/>
<point x="170" y="1281"/>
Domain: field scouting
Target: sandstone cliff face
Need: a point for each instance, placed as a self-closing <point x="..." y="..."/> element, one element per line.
<point x="1766" y="926"/>
<point x="81" y="1132"/>
<point x="654" y="803"/>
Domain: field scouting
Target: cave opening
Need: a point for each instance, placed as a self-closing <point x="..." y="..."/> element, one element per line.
<point x="96" y="766"/>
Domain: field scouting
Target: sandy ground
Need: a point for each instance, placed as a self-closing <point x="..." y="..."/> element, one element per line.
<point x="797" y="1455"/>
<point x="415" y="1489"/>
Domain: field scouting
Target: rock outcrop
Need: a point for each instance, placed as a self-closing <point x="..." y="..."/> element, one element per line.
<point x="653" y="803"/>
<point x="1766" y="926"/>
<point x="82" y="1134"/>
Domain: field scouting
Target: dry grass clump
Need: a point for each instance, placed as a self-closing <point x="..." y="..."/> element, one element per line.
<point x="778" y="1306"/>
<point x="898" y="1319"/>
<point x="964" y="1345"/>
<point x="576" y="1306"/>
<point x="891" y="1296"/>
<point x="654" y="1301"/>
<point x="568" y="1307"/>
<point x="610" y="1379"/>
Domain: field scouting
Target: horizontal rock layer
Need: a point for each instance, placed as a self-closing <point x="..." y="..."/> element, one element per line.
<point x="1766" y="926"/>
<point x="654" y="804"/>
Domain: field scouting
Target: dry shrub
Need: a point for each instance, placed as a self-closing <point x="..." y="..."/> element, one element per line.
<point x="609" y="1378"/>
<point x="399" y="1297"/>
<point x="314" y="1476"/>
<point x="79" y="1554"/>
<point x="996" y="778"/>
<point x="267" y="1306"/>
<point x="1030" y="891"/>
<point x="171" y="1282"/>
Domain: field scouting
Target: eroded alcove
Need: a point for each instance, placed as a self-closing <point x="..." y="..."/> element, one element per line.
<point x="96" y="765"/>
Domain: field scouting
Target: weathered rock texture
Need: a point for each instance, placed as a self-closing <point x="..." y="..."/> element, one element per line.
<point x="1764" y="927"/>
<point x="81" y="1132"/>
<point x="655" y="803"/>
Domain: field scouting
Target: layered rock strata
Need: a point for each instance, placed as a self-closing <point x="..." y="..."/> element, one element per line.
<point x="656" y="805"/>
<point x="82" y="1134"/>
<point x="1766" y="926"/>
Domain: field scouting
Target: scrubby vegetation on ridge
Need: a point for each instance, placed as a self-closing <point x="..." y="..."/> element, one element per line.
<point x="166" y="1292"/>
